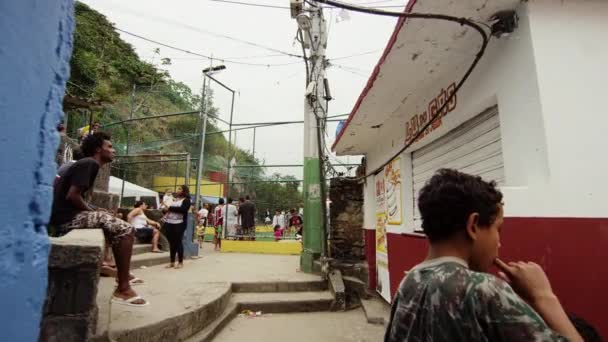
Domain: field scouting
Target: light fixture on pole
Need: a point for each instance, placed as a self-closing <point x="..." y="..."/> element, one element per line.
<point x="203" y="113"/>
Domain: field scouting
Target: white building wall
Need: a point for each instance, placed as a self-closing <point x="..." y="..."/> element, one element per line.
<point x="570" y="40"/>
<point x="551" y="127"/>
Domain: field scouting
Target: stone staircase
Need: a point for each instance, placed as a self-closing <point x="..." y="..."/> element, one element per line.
<point x="268" y="298"/>
<point x="218" y="304"/>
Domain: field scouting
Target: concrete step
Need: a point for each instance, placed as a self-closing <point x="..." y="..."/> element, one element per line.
<point x="356" y="285"/>
<point x="211" y="330"/>
<point x="266" y="302"/>
<point x="280" y="286"/>
<point x="284" y="302"/>
<point x="377" y="311"/>
<point x="141" y="248"/>
<point x="149" y="259"/>
<point x="171" y="316"/>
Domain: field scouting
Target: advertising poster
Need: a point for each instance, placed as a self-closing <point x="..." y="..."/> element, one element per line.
<point x="382" y="275"/>
<point x="393" y="201"/>
<point x="383" y="280"/>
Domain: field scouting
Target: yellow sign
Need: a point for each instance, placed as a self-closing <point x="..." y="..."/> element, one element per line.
<point x="381" y="233"/>
<point x="207" y="188"/>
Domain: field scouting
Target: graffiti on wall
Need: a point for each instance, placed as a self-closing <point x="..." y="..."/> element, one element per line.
<point x="418" y="121"/>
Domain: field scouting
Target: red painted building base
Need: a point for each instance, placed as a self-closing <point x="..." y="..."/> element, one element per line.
<point x="571" y="250"/>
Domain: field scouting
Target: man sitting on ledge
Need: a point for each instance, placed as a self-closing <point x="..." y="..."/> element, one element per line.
<point x="71" y="211"/>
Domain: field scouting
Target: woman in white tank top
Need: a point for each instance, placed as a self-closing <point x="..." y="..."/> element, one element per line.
<point x="144" y="227"/>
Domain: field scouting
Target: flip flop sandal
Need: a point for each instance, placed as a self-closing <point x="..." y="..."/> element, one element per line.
<point x="134" y="281"/>
<point x="130" y="301"/>
<point x="158" y="251"/>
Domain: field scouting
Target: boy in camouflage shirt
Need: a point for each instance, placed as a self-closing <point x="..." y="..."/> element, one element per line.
<point x="448" y="298"/>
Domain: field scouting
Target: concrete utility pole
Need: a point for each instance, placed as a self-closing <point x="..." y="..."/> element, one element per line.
<point x="314" y="38"/>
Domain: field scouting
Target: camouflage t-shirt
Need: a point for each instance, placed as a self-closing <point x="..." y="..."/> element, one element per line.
<point x="442" y="300"/>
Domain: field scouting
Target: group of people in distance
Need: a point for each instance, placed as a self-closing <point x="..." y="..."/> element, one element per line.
<point x="286" y="223"/>
<point x="239" y="220"/>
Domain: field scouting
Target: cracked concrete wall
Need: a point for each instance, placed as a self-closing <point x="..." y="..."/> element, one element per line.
<point x="35" y="49"/>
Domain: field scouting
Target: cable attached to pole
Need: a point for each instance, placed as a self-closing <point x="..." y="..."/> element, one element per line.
<point x="458" y="20"/>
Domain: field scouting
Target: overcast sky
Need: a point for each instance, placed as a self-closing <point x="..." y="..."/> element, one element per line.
<point x="265" y="94"/>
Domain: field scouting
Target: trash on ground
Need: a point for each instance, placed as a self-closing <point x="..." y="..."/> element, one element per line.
<point x="250" y="313"/>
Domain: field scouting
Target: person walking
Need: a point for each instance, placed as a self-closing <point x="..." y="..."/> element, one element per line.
<point x="218" y="214"/>
<point x="175" y="225"/>
<point x="247" y="215"/>
<point x="231" y="219"/>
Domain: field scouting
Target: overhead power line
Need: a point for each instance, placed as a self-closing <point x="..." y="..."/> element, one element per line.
<point x="202" y="55"/>
<point x="253" y="4"/>
<point x="177" y="23"/>
<point x="250" y="4"/>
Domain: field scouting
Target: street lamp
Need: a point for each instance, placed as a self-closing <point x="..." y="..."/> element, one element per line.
<point x="207" y="74"/>
<point x="215" y="68"/>
<point x="203" y="113"/>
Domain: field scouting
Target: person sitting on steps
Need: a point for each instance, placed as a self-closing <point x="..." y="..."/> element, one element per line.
<point x="71" y="211"/>
<point x="145" y="229"/>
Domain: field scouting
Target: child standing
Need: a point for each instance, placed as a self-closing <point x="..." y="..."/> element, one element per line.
<point x="218" y="237"/>
<point x="278" y="233"/>
<point x="219" y="224"/>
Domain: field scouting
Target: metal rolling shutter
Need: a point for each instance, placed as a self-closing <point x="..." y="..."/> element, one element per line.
<point x="473" y="147"/>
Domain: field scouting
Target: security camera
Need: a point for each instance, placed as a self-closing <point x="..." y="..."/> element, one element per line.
<point x="504" y="23"/>
<point x="296" y="7"/>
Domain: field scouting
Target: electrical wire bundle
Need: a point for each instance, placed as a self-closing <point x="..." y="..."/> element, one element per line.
<point x="428" y="16"/>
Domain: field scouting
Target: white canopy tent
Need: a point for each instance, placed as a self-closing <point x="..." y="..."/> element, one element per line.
<point x="131" y="190"/>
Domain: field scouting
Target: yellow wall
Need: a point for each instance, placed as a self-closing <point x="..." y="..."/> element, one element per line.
<point x="207" y="188"/>
<point x="262" y="247"/>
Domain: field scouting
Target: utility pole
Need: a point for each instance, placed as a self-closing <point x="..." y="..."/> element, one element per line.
<point x="314" y="38"/>
<point x="199" y="167"/>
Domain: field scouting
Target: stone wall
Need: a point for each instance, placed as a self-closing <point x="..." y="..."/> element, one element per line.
<point x="70" y="309"/>
<point x="346" y="220"/>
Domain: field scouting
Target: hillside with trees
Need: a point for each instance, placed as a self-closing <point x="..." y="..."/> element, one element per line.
<point x="109" y="83"/>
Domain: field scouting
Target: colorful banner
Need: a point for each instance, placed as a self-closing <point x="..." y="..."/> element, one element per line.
<point x="381" y="233"/>
<point x="393" y="200"/>
<point x="382" y="276"/>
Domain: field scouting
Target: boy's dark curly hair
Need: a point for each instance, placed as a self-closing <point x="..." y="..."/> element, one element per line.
<point x="92" y="142"/>
<point x="450" y="197"/>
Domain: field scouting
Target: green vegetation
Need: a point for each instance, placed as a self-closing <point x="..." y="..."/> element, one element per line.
<point x="115" y="84"/>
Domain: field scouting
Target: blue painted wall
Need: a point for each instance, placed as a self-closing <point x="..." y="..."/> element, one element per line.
<point x="35" y="48"/>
